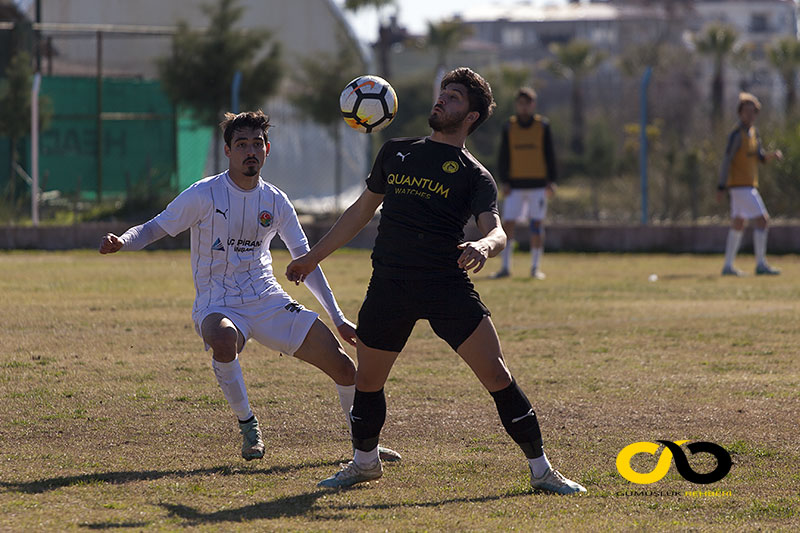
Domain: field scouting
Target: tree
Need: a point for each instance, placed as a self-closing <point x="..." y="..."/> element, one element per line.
<point x="574" y="61"/>
<point x="444" y="37"/>
<point x="717" y="41"/>
<point x="385" y="29"/>
<point x="15" y="109"/>
<point x="785" y="57"/>
<point x="318" y="82"/>
<point x="201" y="68"/>
<point x="600" y="161"/>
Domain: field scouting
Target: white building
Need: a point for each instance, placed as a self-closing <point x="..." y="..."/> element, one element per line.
<point x="759" y="23"/>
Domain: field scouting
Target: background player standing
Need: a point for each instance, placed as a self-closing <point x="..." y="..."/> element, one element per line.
<point x="527" y="170"/>
<point x="739" y="175"/>
<point x="233" y="217"/>
<point x="430" y="187"/>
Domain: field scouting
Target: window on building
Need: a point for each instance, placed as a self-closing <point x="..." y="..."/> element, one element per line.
<point x="512" y="36"/>
<point x="759" y="23"/>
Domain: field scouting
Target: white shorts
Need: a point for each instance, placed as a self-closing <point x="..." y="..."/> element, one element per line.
<point x="525" y="204"/>
<point x="747" y="203"/>
<point x="277" y="321"/>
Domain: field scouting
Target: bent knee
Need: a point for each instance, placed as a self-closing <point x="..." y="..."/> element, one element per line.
<point x="344" y="369"/>
<point x="222" y="340"/>
<point x="501" y="381"/>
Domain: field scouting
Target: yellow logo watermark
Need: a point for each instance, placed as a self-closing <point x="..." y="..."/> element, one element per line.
<point x="672" y="450"/>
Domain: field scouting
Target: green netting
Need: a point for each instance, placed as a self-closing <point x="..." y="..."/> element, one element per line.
<point x="139" y="140"/>
<point x="193" y="141"/>
<point x="142" y="148"/>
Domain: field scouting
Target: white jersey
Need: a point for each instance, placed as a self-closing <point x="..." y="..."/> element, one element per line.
<point x="231" y="230"/>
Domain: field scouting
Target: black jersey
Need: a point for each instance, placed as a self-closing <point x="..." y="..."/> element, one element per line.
<point x="431" y="189"/>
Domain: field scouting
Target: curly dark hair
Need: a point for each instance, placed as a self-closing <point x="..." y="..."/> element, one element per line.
<point x="245" y="120"/>
<point x="479" y="92"/>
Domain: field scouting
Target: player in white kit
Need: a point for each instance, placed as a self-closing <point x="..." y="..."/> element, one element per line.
<point x="233" y="217"/>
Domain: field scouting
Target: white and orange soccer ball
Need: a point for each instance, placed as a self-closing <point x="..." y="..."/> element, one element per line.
<point x="368" y="104"/>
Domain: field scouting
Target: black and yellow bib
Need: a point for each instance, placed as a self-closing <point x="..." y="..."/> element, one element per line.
<point x="526" y="150"/>
<point x="743" y="171"/>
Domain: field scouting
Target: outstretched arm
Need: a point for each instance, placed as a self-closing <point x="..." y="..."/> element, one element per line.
<point x="135" y="238"/>
<point x="349" y="224"/>
<point x="319" y="287"/>
<point x="475" y="253"/>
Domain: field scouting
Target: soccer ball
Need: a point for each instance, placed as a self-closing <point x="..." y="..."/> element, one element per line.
<point x="368" y="104"/>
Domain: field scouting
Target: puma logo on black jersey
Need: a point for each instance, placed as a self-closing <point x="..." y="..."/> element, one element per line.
<point x="223" y="213"/>
<point x="403" y="156"/>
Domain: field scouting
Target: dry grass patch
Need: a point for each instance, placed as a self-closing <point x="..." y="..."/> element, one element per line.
<point x="111" y="418"/>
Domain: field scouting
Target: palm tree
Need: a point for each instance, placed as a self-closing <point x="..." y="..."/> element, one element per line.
<point x="384" y="29"/>
<point x="445" y="37"/>
<point x="574" y="61"/>
<point x="717" y="41"/>
<point x="785" y="57"/>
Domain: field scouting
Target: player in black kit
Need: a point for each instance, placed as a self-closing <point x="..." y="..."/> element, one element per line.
<point x="429" y="187"/>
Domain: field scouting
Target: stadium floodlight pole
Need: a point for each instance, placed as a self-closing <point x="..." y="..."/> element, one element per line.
<point x="643" y="140"/>
<point x="235" y="86"/>
<point x="37" y="80"/>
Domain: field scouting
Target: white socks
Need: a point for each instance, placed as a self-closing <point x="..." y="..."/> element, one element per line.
<point x="536" y="254"/>
<point x="230" y="379"/>
<point x="539" y="465"/>
<point x="760" y="245"/>
<point x="506" y="255"/>
<point x="366" y="459"/>
<point x="346" y="395"/>
<point x="732" y="246"/>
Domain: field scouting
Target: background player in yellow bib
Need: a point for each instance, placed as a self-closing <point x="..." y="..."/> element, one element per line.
<point x="739" y="175"/>
<point x="527" y="171"/>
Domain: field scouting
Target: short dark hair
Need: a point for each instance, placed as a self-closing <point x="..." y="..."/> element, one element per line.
<point x="526" y="92"/>
<point x="245" y="120"/>
<point x="479" y="92"/>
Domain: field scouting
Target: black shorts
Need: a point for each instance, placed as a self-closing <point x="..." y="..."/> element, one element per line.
<point x="392" y="307"/>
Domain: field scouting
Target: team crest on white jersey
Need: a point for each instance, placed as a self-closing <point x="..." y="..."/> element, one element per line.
<point x="265" y="218"/>
<point x="217" y="246"/>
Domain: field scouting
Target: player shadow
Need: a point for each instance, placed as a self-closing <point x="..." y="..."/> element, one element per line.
<point x="301" y="504"/>
<point x="122" y="477"/>
<point x="285" y="507"/>
<point x="684" y="277"/>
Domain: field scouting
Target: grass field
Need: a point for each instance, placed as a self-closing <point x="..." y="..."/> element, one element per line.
<point x="110" y="417"/>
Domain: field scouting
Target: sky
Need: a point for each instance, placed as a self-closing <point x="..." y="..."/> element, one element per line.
<point x="414" y="14"/>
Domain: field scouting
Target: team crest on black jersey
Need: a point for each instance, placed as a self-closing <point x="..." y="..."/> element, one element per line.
<point x="265" y="218"/>
<point x="451" y="167"/>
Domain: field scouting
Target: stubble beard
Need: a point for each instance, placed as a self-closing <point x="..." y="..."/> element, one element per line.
<point x="444" y="123"/>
